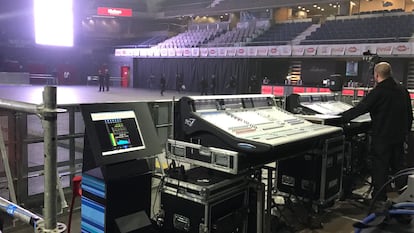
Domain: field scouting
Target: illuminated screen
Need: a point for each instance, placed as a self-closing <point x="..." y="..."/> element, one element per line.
<point x="351" y="68"/>
<point x="53" y="22"/>
<point x="118" y="132"/>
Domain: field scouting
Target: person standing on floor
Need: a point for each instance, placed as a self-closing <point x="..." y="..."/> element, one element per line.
<point x="162" y="84"/>
<point x="101" y="80"/>
<point x="389" y="105"/>
<point x="106" y="79"/>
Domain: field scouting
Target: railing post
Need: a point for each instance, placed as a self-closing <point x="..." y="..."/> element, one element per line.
<point x="49" y="120"/>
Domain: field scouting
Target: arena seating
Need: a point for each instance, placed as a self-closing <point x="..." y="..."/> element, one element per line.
<point x="280" y="33"/>
<point x="384" y="28"/>
<point x="236" y="37"/>
<point x="191" y="38"/>
<point x="374" y="28"/>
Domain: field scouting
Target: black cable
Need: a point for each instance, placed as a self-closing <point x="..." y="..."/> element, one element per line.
<point x="374" y="199"/>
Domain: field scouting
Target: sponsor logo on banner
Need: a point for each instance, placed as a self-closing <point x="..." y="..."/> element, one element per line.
<point x="179" y="52"/>
<point x="156" y="52"/>
<point x="353" y="50"/>
<point x="262" y="51"/>
<point x="118" y="52"/>
<point x="213" y="52"/>
<point x="273" y="51"/>
<point x="252" y="51"/>
<point x="139" y="52"/>
<point x="338" y="50"/>
<point x="298" y="50"/>
<point x="222" y="52"/>
<point x="402" y="48"/>
<point x="310" y="50"/>
<point x="187" y="52"/>
<point x="129" y="52"/>
<point x="109" y="11"/>
<point x="384" y="49"/>
<point x="195" y="52"/>
<point x="164" y="52"/>
<point x="241" y="51"/>
<point x="150" y="52"/>
<point x="204" y="52"/>
<point x="285" y="50"/>
<point x="324" y="50"/>
<point x="171" y="52"/>
<point x="231" y="51"/>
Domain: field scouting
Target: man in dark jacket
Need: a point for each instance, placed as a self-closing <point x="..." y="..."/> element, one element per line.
<point x="390" y="108"/>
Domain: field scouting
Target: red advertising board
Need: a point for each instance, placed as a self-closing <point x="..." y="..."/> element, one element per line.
<point x="266" y="89"/>
<point x="110" y="11"/>
<point x="298" y="90"/>
<point x="278" y="90"/>
<point x="348" y="92"/>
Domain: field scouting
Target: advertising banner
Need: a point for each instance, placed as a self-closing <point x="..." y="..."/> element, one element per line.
<point x="252" y="51"/>
<point x="231" y="51"/>
<point x="262" y="51"/>
<point x="298" y="50"/>
<point x="179" y="52"/>
<point x="310" y="50"/>
<point x="195" y="52"/>
<point x="337" y="50"/>
<point x="222" y="52"/>
<point x="212" y="52"/>
<point x="324" y="50"/>
<point x="241" y="51"/>
<point x="171" y="52"/>
<point x="353" y="50"/>
<point x="164" y="52"/>
<point x="187" y="52"/>
<point x="204" y="52"/>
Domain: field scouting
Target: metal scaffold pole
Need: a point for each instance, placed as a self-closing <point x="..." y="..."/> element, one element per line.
<point x="48" y="112"/>
<point x="49" y="120"/>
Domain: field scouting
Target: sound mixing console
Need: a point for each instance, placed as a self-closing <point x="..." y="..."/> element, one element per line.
<point x="234" y="132"/>
<point x="319" y="104"/>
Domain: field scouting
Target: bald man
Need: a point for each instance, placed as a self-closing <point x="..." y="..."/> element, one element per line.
<point x="390" y="108"/>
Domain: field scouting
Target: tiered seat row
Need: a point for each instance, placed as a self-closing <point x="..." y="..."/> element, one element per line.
<point x="385" y="29"/>
<point x="235" y="37"/>
<point x="190" y="39"/>
<point x="281" y="33"/>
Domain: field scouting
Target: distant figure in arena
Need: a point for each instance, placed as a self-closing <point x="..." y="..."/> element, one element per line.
<point x="162" y="84"/>
<point x="106" y="79"/>
<point x="179" y="82"/>
<point x="101" y="80"/>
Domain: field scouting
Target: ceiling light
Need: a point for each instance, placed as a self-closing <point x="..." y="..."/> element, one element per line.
<point x="303" y="8"/>
<point x="334" y="6"/>
<point x="322" y="9"/>
<point x="307" y="10"/>
<point x="314" y="5"/>
<point x="299" y="7"/>
<point x="319" y="7"/>
<point x="330" y="4"/>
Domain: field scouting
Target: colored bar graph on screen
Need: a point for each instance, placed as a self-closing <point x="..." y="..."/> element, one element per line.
<point x="112" y="138"/>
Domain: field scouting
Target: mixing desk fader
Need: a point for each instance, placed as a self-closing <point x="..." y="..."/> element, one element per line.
<point x="235" y="132"/>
